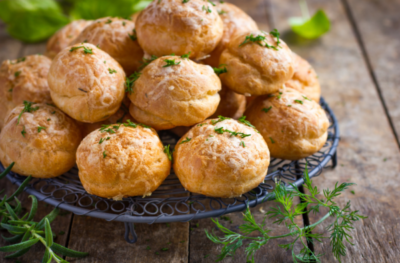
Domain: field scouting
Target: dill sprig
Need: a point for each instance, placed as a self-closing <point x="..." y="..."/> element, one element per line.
<point x="285" y="214"/>
<point x="85" y="49"/>
<point x="27" y="108"/>
<point x="27" y="232"/>
<point x="171" y="62"/>
<point x="220" y="70"/>
<point x="130" y="81"/>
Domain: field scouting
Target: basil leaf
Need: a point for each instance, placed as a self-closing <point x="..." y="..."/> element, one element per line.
<point x="32" y="20"/>
<point x="312" y="28"/>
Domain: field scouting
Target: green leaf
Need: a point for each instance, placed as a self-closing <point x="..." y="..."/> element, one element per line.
<point x="11" y="212"/>
<point x="46" y="257"/>
<point x="32" y="20"/>
<point x="68" y="252"/>
<point x="53" y="214"/>
<point x="93" y="9"/>
<point x="19" y="246"/>
<point x="34" y="206"/>
<point x="18" y="253"/>
<point x="20" y="188"/>
<point x="13" y="239"/>
<point x="312" y="28"/>
<point x="48" y="233"/>
<point x="8" y="169"/>
<point x="16" y="229"/>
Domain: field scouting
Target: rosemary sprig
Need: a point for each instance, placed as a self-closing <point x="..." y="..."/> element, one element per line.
<point x="26" y="232"/>
<point x="339" y="229"/>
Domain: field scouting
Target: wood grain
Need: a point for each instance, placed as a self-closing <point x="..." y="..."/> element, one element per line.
<point x="368" y="153"/>
<point x="378" y="25"/>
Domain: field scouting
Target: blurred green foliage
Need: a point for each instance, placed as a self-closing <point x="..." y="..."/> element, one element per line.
<point x="37" y="20"/>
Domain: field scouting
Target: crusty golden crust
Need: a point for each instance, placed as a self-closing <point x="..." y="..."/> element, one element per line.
<point x="254" y="69"/>
<point x="63" y="37"/>
<point x="23" y="79"/>
<point x="179" y="95"/>
<point x="83" y="86"/>
<point x="130" y="163"/>
<point x="218" y="165"/>
<point x="305" y="80"/>
<point x="294" y="127"/>
<point x="171" y="27"/>
<point x="45" y="154"/>
<point x="115" y="36"/>
<point x="232" y="105"/>
<point x="235" y="22"/>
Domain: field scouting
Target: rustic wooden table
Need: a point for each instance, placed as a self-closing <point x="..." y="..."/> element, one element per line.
<point x="357" y="63"/>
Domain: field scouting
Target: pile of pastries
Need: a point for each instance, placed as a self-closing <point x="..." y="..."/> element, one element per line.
<point x="235" y="94"/>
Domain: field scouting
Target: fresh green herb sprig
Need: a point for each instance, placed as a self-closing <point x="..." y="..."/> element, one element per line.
<point x="186" y="140"/>
<point x="86" y="50"/>
<point x="27" y="108"/>
<point x="220" y="70"/>
<point x="169" y="152"/>
<point x="261" y="40"/>
<point x="221" y="130"/>
<point x="171" y="62"/>
<point x="130" y="81"/>
<point x="339" y="230"/>
<point x="186" y="56"/>
<point x="207" y="9"/>
<point x="246" y="122"/>
<point x="26" y="232"/>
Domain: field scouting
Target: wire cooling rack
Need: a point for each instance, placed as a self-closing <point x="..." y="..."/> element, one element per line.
<point x="171" y="202"/>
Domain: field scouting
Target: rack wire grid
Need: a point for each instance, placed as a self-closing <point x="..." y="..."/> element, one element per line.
<point x="171" y="202"/>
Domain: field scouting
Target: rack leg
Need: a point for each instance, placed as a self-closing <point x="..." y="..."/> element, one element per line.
<point x="334" y="160"/>
<point x="130" y="230"/>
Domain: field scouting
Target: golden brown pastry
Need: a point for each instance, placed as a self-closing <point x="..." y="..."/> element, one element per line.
<point x="117" y="37"/>
<point x="86" y="83"/>
<point x="172" y="91"/>
<point x="235" y="21"/>
<point x="221" y="158"/>
<point x="173" y="27"/>
<point x="293" y="125"/>
<point x="305" y="80"/>
<point x="232" y="105"/>
<point x="256" y="64"/>
<point x="63" y="37"/>
<point x="122" y="160"/>
<point x="42" y="142"/>
<point x="23" y="79"/>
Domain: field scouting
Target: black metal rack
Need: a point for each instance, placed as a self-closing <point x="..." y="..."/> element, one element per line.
<point x="171" y="202"/>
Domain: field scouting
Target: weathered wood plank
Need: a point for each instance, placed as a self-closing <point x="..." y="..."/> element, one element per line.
<point x="378" y="25"/>
<point x="368" y="153"/>
<point x="105" y="243"/>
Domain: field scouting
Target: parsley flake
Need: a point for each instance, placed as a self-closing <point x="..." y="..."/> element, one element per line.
<point x="220" y="70"/>
<point x="267" y="109"/>
<point x="186" y="55"/>
<point x="242" y="144"/>
<point x="85" y="49"/>
<point x="171" y="62"/>
<point x="220" y="118"/>
<point x="133" y="36"/>
<point x="109" y="21"/>
<point x="23" y="132"/>
<point x="299" y="101"/>
<point x="207" y="9"/>
<point x="185" y="1"/>
<point x="246" y="122"/>
<point x="40" y="128"/>
<point x="272" y="140"/>
<point x="16" y="74"/>
<point x="104" y="155"/>
<point x="112" y="71"/>
<point x="186" y="140"/>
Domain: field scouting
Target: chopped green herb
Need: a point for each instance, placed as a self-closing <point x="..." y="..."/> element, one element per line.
<point x="221" y="12"/>
<point x="298" y="101"/>
<point x="185" y="1"/>
<point x="306" y="98"/>
<point x="171" y="62"/>
<point x="267" y="109"/>
<point x="202" y="124"/>
<point x="123" y="23"/>
<point x="104" y="154"/>
<point x="105" y="62"/>
<point x="186" y="140"/>
<point x="48" y="119"/>
<point x="23" y="132"/>
<point x="144" y="125"/>
<point x="130" y="81"/>
<point x="246" y="122"/>
<point x="109" y="21"/>
<point x="186" y="55"/>
<point x="53" y="112"/>
<point x="211" y="3"/>
<point x="27" y="108"/>
<point x="130" y="124"/>
<point x="220" y="118"/>
<point x="147" y="61"/>
<point x="207" y="9"/>
<point x="289" y="105"/>
<point x="18" y="61"/>
<point x="221" y="130"/>
<point x="243" y="144"/>
<point x="352" y="192"/>
<point x="103" y="139"/>
<point x="164" y="249"/>
<point x="16" y="74"/>
<point x="279" y="96"/>
<point x="272" y="140"/>
<point x="133" y="36"/>
<point x="261" y="40"/>
<point x="112" y="71"/>
<point x="40" y="128"/>
<point x="220" y="70"/>
<point x="85" y="49"/>
<point x="168" y="152"/>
